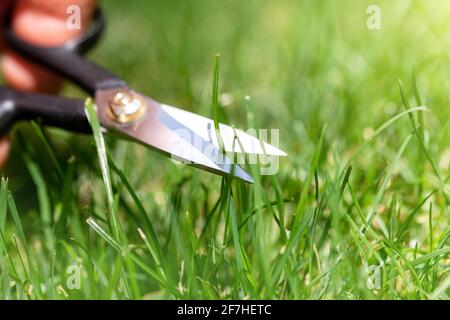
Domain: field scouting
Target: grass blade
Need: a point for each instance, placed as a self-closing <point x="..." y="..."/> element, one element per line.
<point x="101" y="152"/>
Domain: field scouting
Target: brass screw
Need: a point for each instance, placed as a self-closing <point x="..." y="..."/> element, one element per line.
<point x="126" y="107"/>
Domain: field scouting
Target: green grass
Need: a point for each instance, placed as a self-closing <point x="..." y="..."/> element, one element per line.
<point x="358" y="210"/>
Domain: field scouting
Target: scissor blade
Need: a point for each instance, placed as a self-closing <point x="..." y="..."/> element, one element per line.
<point x="160" y="131"/>
<point x="234" y="140"/>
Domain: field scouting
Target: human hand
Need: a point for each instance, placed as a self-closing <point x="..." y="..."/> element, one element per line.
<point x="44" y="23"/>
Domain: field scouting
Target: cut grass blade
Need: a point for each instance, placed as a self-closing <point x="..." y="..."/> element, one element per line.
<point x="101" y="152"/>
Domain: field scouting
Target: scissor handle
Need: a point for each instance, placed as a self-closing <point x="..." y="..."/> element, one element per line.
<point x="54" y="111"/>
<point x="66" y="60"/>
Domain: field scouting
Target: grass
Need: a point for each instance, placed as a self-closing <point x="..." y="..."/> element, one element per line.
<point x="358" y="210"/>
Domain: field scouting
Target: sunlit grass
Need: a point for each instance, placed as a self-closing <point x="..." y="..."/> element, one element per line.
<point x="359" y="208"/>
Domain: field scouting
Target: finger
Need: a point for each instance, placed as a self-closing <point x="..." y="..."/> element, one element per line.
<point x="26" y="76"/>
<point x="45" y="22"/>
<point x="60" y="7"/>
<point x="4" y="150"/>
<point x="41" y="23"/>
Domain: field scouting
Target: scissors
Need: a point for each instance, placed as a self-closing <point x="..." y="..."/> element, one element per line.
<point x="177" y="133"/>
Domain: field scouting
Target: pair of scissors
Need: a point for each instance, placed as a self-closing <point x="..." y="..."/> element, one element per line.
<point x="177" y="133"/>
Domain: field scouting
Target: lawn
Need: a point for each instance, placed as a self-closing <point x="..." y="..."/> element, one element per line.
<point x="358" y="210"/>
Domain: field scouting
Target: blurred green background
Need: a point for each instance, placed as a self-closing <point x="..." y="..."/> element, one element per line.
<point x="303" y="64"/>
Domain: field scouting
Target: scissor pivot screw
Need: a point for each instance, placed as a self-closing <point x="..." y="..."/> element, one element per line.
<point x="126" y="107"/>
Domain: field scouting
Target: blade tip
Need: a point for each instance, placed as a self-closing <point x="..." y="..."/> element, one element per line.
<point x="243" y="175"/>
<point x="249" y="179"/>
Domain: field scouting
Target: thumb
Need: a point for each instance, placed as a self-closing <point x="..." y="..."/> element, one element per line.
<point x="44" y="23"/>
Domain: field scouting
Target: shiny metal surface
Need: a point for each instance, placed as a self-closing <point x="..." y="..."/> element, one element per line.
<point x="182" y="135"/>
<point x="160" y="130"/>
<point x="234" y="140"/>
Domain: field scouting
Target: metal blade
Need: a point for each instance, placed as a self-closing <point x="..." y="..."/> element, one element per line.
<point x="158" y="129"/>
<point x="234" y="140"/>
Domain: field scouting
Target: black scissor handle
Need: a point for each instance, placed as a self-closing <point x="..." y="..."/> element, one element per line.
<point x="79" y="45"/>
<point x="66" y="60"/>
<point x="54" y="111"/>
